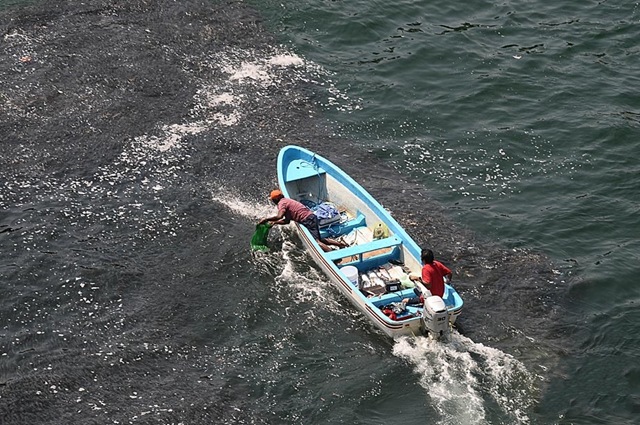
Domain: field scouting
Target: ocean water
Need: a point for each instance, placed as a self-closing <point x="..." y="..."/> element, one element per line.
<point x="139" y="141"/>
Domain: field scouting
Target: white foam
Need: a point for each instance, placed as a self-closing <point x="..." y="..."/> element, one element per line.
<point x="223" y="99"/>
<point x="309" y="285"/>
<point x="172" y="135"/>
<point x="458" y="375"/>
<point x="248" y="70"/>
<point x="286" y="60"/>
<point x="249" y="209"/>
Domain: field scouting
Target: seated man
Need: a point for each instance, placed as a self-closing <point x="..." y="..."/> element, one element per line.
<point x="433" y="273"/>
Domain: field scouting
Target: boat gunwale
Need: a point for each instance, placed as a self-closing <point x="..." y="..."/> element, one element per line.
<point x="365" y="304"/>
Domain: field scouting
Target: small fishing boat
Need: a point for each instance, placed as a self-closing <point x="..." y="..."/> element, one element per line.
<point x="374" y="271"/>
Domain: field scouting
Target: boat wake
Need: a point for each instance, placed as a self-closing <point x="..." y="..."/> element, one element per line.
<point x="468" y="382"/>
<point x="465" y="381"/>
<point x="287" y="262"/>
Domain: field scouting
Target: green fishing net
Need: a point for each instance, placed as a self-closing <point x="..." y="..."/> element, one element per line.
<point x="259" y="239"/>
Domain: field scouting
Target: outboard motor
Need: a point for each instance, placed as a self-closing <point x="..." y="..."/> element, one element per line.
<point x="435" y="317"/>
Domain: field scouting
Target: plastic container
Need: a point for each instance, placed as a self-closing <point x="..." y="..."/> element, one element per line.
<point x="380" y="231"/>
<point x="351" y="272"/>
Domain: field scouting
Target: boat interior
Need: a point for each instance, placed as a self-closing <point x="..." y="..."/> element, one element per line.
<point x="382" y="263"/>
<point x="373" y="248"/>
<point x="372" y="245"/>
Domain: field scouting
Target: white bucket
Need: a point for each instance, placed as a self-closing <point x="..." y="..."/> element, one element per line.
<point x="351" y="272"/>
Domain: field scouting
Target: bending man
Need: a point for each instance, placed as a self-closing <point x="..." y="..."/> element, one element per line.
<point x="290" y="209"/>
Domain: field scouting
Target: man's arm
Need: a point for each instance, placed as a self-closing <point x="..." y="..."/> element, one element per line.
<point x="422" y="279"/>
<point x="276" y="219"/>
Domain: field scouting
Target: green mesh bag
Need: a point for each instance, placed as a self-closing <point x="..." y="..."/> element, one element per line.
<point x="259" y="239"/>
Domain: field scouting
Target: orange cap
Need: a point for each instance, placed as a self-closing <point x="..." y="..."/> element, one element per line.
<point x="275" y="194"/>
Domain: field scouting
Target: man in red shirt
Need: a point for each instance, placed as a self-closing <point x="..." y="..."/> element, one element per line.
<point x="290" y="209"/>
<point x="433" y="273"/>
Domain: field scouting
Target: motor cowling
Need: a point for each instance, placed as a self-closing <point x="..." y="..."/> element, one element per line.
<point x="435" y="317"/>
